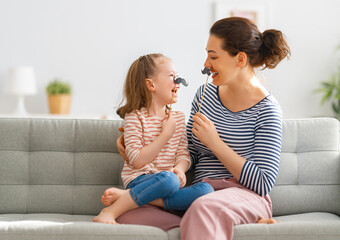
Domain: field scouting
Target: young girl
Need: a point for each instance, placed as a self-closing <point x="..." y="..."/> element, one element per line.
<point x="156" y="144"/>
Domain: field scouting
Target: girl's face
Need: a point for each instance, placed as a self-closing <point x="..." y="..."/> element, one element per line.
<point x="164" y="82"/>
<point x="222" y="65"/>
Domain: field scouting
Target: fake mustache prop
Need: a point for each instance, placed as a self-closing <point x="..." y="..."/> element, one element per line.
<point x="181" y="80"/>
<point x="177" y="81"/>
<point x="204" y="71"/>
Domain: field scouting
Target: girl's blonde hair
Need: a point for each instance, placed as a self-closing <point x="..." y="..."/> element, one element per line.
<point x="136" y="93"/>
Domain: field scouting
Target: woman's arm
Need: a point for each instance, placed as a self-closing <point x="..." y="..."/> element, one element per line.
<point x="205" y="131"/>
<point x="260" y="174"/>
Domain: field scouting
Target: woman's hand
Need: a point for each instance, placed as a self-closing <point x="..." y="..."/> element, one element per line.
<point x="205" y="130"/>
<point x="181" y="175"/>
<point x="121" y="147"/>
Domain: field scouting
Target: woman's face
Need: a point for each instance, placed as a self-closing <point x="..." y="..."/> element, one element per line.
<point x="222" y="65"/>
<point x="165" y="87"/>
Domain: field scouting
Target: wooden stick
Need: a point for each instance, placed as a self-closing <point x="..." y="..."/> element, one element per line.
<point x="172" y="98"/>
<point x="206" y="82"/>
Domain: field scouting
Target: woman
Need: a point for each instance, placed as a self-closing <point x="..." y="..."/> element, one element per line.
<point x="235" y="139"/>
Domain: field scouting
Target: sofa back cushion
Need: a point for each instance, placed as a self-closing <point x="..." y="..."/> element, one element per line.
<point x="57" y="165"/>
<point x="63" y="166"/>
<point x="309" y="173"/>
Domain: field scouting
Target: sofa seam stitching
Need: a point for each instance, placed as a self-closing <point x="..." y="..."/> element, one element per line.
<point x="29" y="163"/>
<point x="74" y="162"/>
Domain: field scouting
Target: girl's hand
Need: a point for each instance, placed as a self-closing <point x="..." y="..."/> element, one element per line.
<point x="205" y="130"/>
<point x="181" y="175"/>
<point x="169" y="126"/>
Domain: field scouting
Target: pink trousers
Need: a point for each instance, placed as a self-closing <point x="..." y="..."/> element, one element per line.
<point x="213" y="216"/>
<point x="209" y="217"/>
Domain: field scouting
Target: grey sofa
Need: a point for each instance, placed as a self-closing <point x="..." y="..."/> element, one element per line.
<point x="52" y="173"/>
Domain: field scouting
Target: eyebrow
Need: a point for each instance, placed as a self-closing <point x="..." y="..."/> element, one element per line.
<point x="211" y="51"/>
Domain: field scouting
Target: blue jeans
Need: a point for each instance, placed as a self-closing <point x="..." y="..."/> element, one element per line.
<point x="165" y="185"/>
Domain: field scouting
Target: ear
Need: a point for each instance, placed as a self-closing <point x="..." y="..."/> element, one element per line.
<point x="241" y="59"/>
<point x="149" y="84"/>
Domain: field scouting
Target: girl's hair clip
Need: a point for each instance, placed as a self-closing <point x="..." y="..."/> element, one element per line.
<point x="206" y="71"/>
<point x="181" y="80"/>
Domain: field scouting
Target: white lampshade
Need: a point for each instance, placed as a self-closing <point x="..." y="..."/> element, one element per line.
<point x="21" y="81"/>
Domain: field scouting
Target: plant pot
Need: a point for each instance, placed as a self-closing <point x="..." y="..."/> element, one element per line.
<point x="59" y="103"/>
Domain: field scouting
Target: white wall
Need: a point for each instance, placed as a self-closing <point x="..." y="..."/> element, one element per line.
<point x="91" y="43"/>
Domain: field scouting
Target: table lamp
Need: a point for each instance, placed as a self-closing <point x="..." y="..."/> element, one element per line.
<point x="21" y="82"/>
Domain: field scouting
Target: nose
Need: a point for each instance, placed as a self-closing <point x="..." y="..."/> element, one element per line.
<point x="207" y="63"/>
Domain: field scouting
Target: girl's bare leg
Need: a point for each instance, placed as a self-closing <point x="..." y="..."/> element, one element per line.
<point x="120" y="206"/>
<point x="158" y="202"/>
<point x="112" y="194"/>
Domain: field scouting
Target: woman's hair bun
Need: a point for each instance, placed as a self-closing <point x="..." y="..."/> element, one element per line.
<point x="265" y="49"/>
<point x="274" y="48"/>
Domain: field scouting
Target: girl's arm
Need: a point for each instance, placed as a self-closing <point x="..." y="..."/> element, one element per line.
<point x="194" y="108"/>
<point x="179" y="169"/>
<point x="182" y="153"/>
<point x="182" y="165"/>
<point x="183" y="162"/>
<point x="138" y="154"/>
<point x="258" y="175"/>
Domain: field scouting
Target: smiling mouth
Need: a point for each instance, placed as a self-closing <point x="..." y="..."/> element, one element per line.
<point x="214" y="74"/>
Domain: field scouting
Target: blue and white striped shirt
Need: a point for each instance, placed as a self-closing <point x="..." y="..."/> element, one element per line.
<point x="254" y="133"/>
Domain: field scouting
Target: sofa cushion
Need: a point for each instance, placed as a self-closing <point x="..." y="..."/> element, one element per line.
<point x="307" y="226"/>
<point x="57" y="165"/>
<point x="70" y="227"/>
<point x="308" y="178"/>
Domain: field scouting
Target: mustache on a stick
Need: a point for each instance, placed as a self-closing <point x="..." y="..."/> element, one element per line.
<point x="178" y="80"/>
<point x="204" y="71"/>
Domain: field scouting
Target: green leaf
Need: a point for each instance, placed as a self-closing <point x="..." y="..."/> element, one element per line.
<point x="336" y="108"/>
<point x="318" y="90"/>
<point x="58" y="87"/>
<point x="330" y="90"/>
<point x="327" y="96"/>
<point x="327" y="84"/>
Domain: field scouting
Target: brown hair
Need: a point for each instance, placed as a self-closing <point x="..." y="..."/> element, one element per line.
<point x="136" y="94"/>
<point x="265" y="49"/>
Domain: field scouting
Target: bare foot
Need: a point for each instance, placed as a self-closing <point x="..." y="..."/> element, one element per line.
<point x="105" y="217"/>
<point x="267" y="221"/>
<point x="111" y="195"/>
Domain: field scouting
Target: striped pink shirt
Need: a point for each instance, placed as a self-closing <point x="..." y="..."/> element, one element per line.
<point x="141" y="129"/>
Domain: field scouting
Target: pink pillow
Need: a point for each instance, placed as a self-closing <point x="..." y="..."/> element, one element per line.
<point x="150" y="216"/>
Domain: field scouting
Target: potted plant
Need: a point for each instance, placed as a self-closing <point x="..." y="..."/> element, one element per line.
<point x="331" y="92"/>
<point x="331" y="88"/>
<point x="59" y="97"/>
